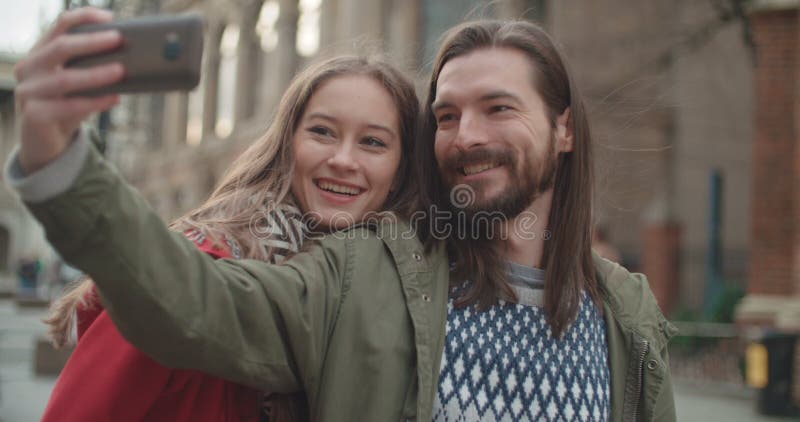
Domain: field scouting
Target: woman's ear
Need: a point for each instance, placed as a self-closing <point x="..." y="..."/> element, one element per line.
<point x="564" y="135"/>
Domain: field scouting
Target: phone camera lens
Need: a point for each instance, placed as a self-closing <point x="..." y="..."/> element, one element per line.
<point x="172" y="47"/>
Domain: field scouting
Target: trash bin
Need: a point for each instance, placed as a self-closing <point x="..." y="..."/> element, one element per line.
<point x="770" y="362"/>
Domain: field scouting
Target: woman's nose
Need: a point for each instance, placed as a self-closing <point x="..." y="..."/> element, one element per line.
<point x="343" y="158"/>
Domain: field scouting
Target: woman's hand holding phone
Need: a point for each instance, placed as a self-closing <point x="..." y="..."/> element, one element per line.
<point x="47" y="116"/>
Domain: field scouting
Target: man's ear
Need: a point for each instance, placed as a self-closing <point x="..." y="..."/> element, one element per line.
<point x="564" y="135"/>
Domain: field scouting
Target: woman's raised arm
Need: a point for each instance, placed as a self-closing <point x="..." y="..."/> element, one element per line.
<point x="261" y="325"/>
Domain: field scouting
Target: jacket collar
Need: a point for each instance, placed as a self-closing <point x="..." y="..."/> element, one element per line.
<point x="400" y="237"/>
<point x="629" y="298"/>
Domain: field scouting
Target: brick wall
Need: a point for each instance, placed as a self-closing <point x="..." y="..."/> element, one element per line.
<point x="775" y="167"/>
<point x="660" y="262"/>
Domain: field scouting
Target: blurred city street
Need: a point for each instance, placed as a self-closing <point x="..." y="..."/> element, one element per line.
<point x="695" y="121"/>
<point x="24" y="395"/>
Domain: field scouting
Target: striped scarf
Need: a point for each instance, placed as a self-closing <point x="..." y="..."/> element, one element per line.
<point x="280" y="231"/>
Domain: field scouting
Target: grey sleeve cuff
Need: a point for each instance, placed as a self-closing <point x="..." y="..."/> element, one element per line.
<point x="53" y="179"/>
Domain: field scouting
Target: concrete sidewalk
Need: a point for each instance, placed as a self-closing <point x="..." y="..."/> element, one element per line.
<point x="22" y="394"/>
<point x="708" y="404"/>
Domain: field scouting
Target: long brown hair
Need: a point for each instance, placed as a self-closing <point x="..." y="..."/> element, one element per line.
<point x="261" y="177"/>
<point x="567" y="257"/>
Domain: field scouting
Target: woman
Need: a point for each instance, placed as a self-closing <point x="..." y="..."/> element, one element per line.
<point x="335" y="164"/>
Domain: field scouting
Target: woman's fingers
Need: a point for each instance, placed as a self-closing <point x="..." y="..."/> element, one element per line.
<point x="76" y="109"/>
<point x="74" y="17"/>
<point x="47" y="126"/>
<point x="55" y="53"/>
<point x="68" y="112"/>
<point x="66" y="80"/>
<point x="47" y="118"/>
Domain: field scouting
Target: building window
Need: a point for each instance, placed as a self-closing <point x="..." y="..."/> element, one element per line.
<point x="437" y="17"/>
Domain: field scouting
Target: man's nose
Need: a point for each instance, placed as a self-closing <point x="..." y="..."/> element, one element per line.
<point x="472" y="131"/>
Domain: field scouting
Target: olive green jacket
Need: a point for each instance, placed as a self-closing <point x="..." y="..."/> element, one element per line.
<point x="357" y="322"/>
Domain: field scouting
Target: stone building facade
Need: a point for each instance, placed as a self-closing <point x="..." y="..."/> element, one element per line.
<point x="20" y="235"/>
<point x="668" y="85"/>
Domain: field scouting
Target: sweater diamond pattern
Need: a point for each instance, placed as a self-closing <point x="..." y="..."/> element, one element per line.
<point x="503" y="364"/>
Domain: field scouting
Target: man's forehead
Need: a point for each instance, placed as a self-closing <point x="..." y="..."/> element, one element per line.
<point x="485" y="70"/>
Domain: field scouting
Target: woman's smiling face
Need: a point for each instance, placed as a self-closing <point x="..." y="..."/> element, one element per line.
<point x="347" y="150"/>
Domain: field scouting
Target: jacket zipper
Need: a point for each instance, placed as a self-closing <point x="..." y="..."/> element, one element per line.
<point x="646" y="346"/>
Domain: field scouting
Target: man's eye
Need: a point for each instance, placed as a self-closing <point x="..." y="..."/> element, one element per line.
<point x="372" y="141"/>
<point x="445" y="118"/>
<point x="499" y="108"/>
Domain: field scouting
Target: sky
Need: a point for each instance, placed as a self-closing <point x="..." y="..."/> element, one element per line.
<point x="21" y="22"/>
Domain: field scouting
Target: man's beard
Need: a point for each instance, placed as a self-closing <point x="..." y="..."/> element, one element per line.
<point x="527" y="181"/>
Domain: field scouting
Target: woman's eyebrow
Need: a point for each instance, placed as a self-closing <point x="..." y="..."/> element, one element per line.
<point x="382" y="128"/>
<point x="323" y="116"/>
<point x="375" y="126"/>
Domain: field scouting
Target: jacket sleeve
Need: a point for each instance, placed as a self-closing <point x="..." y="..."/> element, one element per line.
<point x="265" y="326"/>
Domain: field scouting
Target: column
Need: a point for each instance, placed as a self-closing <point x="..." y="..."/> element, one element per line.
<point x="328" y="24"/>
<point x="773" y="227"/>
<point x="211" y="76"/>
<point x="286" y="53"/>
<point x="248" y="52"/>
<point x="404" y="34"/>
<point x="773" y="285"/>
<point x="176" y="119"/>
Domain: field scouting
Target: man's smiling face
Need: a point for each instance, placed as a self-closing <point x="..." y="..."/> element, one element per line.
<point x="493" y="131"/>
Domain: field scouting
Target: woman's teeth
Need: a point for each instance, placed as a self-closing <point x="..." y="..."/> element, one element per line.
<point x="332" y="187"/>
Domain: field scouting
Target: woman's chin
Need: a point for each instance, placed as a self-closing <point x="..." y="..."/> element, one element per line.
<point x="329" y="223"/>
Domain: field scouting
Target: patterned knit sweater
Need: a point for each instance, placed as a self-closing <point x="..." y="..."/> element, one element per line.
<point x="503" y="364"/>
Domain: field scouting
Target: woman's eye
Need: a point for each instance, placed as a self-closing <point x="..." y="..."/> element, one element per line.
<point x="372" y="141"/>
<point x="320" y="130"/>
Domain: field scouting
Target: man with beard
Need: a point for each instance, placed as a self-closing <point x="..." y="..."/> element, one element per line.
<point x="537" y="328"/>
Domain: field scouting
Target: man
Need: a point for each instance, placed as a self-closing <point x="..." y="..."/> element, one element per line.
<point x="536" y="328"/>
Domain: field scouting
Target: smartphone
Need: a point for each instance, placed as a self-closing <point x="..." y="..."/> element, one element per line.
<point x="160" y="53"/>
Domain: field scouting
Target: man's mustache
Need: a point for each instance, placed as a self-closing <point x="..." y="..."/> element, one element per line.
<point x="479" y="155"/>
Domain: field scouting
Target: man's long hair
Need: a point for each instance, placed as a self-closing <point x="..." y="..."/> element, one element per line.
<point x="567" y="258"/>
